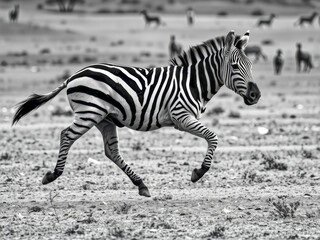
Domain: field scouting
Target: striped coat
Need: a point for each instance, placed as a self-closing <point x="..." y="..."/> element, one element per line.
<point x="109" y="96"/>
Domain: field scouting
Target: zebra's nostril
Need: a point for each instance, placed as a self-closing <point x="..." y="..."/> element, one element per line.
<point x="252" y="95"/>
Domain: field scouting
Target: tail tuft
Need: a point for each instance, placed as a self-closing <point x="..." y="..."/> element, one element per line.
<point x="33" y="102"/>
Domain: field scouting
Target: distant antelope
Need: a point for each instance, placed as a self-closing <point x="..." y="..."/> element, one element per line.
<point x="14" y="13"/>
<point x="256" y="51"/>
<point x="306" y="19"/>
<point x="149" y="19"/>
<point x="267" y="22"/>
<point x="303" y="57"/>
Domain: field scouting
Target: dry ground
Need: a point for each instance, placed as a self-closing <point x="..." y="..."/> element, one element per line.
<point x="252" y="173"/>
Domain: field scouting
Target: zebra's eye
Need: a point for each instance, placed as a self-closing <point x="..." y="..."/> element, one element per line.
<point x="235" y="66"/>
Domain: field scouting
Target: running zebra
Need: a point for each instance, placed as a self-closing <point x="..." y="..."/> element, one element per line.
<point x="109" y="96"/>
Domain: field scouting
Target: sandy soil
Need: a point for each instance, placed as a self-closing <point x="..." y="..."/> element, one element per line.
<point x="253" y="175"/>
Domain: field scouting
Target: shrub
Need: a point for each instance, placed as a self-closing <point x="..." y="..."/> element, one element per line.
<point x="216" y="111"/>
<point x="234" y="114"/>
<point x="217" y="232"/>
<point x="267" y="42"/>
<point x="282" y="208"/>
<point x="251" y="176"/>
<point x="74" y="60"/>
<point x="45" y="51"/>
<point x="222" y="13"/>
<point x="257" y="12"/>
<point x="271" y="163"/>
<point x="122" y="208"/>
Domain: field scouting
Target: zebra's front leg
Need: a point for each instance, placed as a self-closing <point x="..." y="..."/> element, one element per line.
<point x="190" y="124"/>
<point x="111" y="146"/>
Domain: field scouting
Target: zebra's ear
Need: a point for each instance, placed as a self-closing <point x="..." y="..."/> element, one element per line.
<point x="243" y="41"/>
<point x="229" y="41"/>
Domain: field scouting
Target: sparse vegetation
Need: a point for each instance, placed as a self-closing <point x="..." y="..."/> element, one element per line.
<point x="234" y="114"/>
<point x="270" y="162"/>
<point x="65" y="5"/>
<point x="229" y="202"/>
<point x="137" y="146"/>
<point x="122" y="208"/>
<point x="5" y="156"/>
<point x="51" y="198"/>
<point x="252" y="176"/>
<point x="74" y="230"/>
<point x="217" y="232"/>
<point x="283" y="208"/>
<point x="216" y="111"/>
<point x="257" y="12"/>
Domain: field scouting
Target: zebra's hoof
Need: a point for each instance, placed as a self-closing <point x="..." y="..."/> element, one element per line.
<point x="194" y="176"/>
<point x="144" y="192"/>
<point x="48" y="178"/>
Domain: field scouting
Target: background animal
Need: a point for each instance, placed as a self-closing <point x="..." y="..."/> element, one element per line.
<point x="306" y="19"/>
<point x="304" y="58"/>
<point x="149" y="19"/>
<point x="266" y="21"/>
<point x="174" y="47"/>
<point x="278" y="62"/>
<point x="14" y="13"/>
<point x="256" y="51"/>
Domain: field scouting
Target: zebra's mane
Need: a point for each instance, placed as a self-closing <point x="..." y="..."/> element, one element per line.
<point x="199" y="52"/>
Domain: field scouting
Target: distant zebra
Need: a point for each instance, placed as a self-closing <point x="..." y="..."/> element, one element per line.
<point x="190" y="16"/>
<point x="278" y="62"/>
<point x="14" y="13"/>
<point x="306" y="19"/>
<point x="303" y="57"/>
<point x="256" y="51"/>
<point x="266" y="21"/>
<point x="149" y="19"/>
<point x="144" y="99"/>
<point x="174" y="47"/>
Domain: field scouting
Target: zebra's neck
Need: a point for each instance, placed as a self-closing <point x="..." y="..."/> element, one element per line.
<point x="205" y="77"/>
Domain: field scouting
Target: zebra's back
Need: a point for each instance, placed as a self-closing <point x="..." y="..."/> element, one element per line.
<point x="138" y="98"/>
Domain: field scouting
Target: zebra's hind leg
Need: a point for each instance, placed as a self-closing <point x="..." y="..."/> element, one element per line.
<point x="111" y="147"/>
<point x="68" y="136"/>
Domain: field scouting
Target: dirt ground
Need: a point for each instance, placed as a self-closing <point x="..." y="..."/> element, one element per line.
<point x="264" y="180"/>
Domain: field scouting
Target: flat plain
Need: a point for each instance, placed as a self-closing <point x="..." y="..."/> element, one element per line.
<point x="264" y="180"/>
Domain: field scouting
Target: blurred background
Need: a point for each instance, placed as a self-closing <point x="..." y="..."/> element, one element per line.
<point x="44" y="41"/>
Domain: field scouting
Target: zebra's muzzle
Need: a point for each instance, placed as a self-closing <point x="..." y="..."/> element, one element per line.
<point x="253" y="94"/>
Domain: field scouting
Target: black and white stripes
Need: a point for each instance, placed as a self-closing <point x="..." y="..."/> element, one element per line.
<point x="144" y="99"/>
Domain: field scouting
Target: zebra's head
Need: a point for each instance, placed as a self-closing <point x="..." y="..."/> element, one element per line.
<point x="236" y="69"/>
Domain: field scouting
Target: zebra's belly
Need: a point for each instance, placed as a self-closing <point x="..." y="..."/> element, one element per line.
<point x="144" y="122"/>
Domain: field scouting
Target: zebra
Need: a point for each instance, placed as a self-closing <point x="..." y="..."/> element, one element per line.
<point x="306" y="19"/>
<point x="14" y="13"/>
<point x="303" y="57"/>
<point x="190" y="16"/>
<point x="267" y="22"/>
<point x="149" y="19"/>
<point x="109" y="96"/>
<point x="278" y="62"/>
<point x="174" y="47"/>
<point x="256" y="51"/>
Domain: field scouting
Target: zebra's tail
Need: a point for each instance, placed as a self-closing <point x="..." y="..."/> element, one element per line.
<point x="34" y="101"/>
